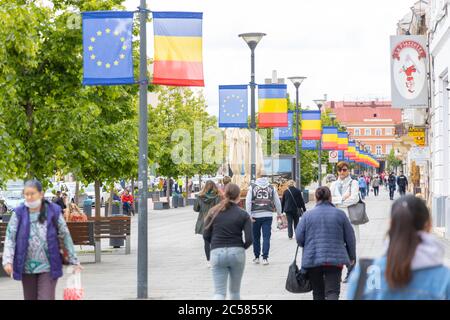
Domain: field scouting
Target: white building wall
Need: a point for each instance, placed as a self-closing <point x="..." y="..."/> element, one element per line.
<point x="439" y="28"/>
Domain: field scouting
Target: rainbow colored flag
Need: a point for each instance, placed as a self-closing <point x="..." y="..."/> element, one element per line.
<point x="342" y="141"/>
<point x="272" y="105"/>
<point x="329" y="138"/>
<point x="311" y="125"/>
<point x="178" y="49"/>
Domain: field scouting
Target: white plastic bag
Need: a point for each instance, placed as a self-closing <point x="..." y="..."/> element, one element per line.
<point x="73" y="289"/>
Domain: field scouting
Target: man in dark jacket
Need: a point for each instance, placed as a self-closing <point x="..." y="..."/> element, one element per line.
<point x="293" y="205"/>
<point x="392" y="185"/>
<point x="402" y="183"/>
<point x="59" y="200"/>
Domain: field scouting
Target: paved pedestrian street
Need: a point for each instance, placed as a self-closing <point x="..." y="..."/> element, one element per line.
<point x="177" y="267"/>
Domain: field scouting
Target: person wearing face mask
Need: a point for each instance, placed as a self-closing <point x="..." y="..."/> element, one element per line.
<point x="32" y="251"/>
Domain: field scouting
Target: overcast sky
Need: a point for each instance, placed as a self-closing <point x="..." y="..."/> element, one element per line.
<point x="341" y="46"/>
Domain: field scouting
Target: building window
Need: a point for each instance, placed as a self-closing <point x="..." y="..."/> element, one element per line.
<point x="379" y="150"/>
<point x="378" y="132"/>
<point x="389" y="131"/>
<point x="356" y="132"/>
<point x="388" y="148"/>
<point x="368" y="132"/>
<point x="369" y="148"/>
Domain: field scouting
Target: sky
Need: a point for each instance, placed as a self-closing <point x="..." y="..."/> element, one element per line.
<point x="342" y="47"/>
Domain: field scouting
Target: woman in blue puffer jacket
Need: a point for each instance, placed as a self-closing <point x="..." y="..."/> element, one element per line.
<point x="328" y="242"/>
<point x="412" y="268"/>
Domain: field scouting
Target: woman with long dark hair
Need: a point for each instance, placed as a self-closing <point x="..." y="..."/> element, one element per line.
<point x="32" y="249"/>
<point x="224" y="226"/>
<point x="328" y="242"/>
<point x="207" y="198"/>
<point x="413" y="265"/>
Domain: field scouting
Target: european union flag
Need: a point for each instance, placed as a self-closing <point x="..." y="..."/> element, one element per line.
<point x="233" y="106"/>
<point x="107" y="49"/>
<point x="309" y="144"/>
<point x="285" y="133"/>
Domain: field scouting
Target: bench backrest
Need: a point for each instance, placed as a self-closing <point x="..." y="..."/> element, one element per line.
<point x="116" y="226"/>
<point x="82" y="233"/>
<point x="3" y="226"/>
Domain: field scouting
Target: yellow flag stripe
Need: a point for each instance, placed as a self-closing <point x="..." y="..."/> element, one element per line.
<point x="311" y="124"/>
<point x="178" y="49"/>
<point x="272" y="105"/>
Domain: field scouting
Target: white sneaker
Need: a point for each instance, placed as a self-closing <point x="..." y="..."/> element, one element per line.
<point x="265" y="262"/>
<point x="208" y="264"/>
<point x="256" y="261"/>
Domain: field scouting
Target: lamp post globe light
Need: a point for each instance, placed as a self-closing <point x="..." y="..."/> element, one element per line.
<point x="320" y="103"/>
<point x="297" y="81"/>
<point x="252" y="40"/>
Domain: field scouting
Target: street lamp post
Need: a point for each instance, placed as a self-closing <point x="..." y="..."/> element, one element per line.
<point x="320" y="103"/>
<point x="297" y="81"/>
<point x="252" y="40"/>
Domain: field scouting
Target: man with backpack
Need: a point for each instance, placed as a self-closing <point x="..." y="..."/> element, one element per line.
<point x="392" y="185"/>
<point x="262" y="200"/>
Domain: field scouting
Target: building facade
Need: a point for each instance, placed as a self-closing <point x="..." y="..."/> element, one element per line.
<point x="372" y="124"/>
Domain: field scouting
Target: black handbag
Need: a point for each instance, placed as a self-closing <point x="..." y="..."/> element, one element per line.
<point x="357" y="213"/>
<point x="299" y="210"/>
<point x="297" y="280"/>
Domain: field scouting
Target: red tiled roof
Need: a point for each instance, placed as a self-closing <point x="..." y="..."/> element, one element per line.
<point x="357" y="112"/>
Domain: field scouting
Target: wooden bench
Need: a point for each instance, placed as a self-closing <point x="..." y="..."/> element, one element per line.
<point x="82" y="234"/>
<point x="111" y="228"/>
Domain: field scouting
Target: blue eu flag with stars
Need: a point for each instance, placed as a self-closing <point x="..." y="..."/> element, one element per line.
<point x="309" y="144"/>
<point x="233" y="106"/>
<point x="107" y="48"/>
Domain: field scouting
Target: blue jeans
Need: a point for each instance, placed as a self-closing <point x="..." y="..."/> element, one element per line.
<point x="363" y="192"/>
<point x="264" y="224"/>
<point x="224" y="262"/>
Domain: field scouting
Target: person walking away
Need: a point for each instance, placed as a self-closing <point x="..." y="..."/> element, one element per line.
<point x="412" y="267"/>
<point x="31" y="251"/>
<point x="362" y="186"/>
<point x="261" y="201"/>
<point x="207" y="198"/>
<point x="293" y="205"/>
<point x="127" y="202"/>
<point x="392" y="185"/>
<point x="368" y="180"/>
<point x="402" y="183"/>
<point x="225" y="181"/>
<point x="376" y="185"/>
<point x="60" y="201"/>
<point x="329" y="243"/>
<point x="224" y="228"/>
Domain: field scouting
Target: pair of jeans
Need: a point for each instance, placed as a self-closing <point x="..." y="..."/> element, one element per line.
<point x="325" y="282"/>
<point x="127" y="209"/>
<point x="292" y="218"/>
<point x="227" y="262"/>
<point x="402" y="191"/>
<point x="38" y="286"/>
<point x="363" y="192"/>
<point x="391" y="192"/>
<point x="376" y="190"/>
<point x="264" y="225"/>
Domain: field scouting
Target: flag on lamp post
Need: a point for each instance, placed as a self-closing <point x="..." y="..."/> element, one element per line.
<point x="107" y="47"/>
<point x="329" y="138"/>
<point x="178" y="49"/>
<point x="233" y="106"/>
<point x="342" y="141"/>
<point x="311" y="125"/>
<point x="272" y="105"/>
<point x="310" y="144"/>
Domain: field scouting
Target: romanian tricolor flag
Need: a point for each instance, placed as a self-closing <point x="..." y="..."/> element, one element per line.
<point x="272" y="111"/>
<point x="329" y="138"/>
<point x="342" y="141"/>
<point x="178" y="49"/>
<point x="311" y="125"/>
<point x="351" y="150"/>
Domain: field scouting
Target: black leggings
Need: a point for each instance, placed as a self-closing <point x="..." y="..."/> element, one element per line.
<point x="325" y="282"/>
<point x="207" y="249"/>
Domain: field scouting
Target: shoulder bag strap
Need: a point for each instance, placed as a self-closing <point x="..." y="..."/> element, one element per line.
<point x="296" y="253"/>
<point x="293" y="197"/>
<point x="364" y="264"/>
